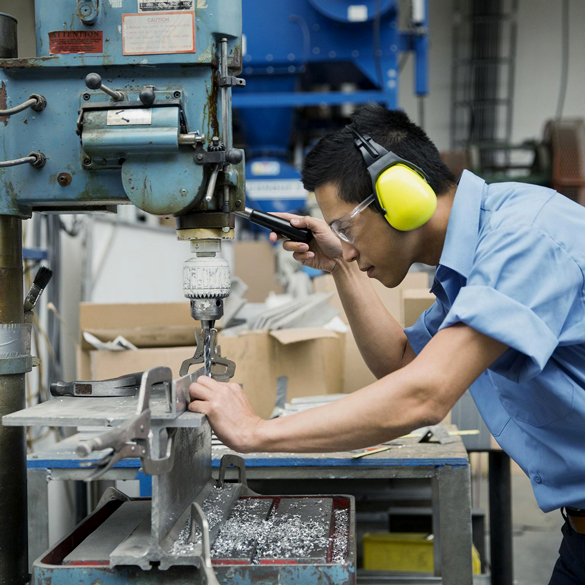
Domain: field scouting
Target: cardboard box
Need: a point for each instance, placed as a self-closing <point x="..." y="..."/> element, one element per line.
<point x="356" y="372"/>
<point x="143" y="324"/>
<point x="255" y="264"/>
<point x="414" y="304"/>
<point x="310" y="360"/>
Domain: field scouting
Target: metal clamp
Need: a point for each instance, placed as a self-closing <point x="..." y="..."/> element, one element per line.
<point x="232" y="461"/>
<point x="132" y="438"/>
<point x="216" y="359"/>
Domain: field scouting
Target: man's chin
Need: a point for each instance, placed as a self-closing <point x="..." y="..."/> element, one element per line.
<point x="388" y="280"/>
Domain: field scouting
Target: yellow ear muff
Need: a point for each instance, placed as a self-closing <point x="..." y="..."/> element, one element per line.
<point x="408" y="199"/>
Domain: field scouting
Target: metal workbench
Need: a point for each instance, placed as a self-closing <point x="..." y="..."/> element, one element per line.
<point x="446" y="466"/>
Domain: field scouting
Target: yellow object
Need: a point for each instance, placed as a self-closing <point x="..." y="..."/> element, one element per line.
<point x="403" y="551"/>
<point x="409" y="201"/>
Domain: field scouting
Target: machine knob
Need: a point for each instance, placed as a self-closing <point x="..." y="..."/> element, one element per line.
<point x="94" y="81"/>
<point x="147" y="96"/>
<point x="234" y="156"/>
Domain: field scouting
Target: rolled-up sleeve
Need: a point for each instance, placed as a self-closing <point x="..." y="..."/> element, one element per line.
<point x="521" y="290"/>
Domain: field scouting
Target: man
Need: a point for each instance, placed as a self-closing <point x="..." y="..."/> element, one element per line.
<point x="508" y="321"/>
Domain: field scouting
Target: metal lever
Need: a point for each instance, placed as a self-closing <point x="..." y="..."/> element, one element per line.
<point x="123" y="386"/>
<point x="277" y="224"/>
<point x="94" y="81"/>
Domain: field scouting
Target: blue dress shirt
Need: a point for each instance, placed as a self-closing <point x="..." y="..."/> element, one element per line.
<point x="513" y="268"/>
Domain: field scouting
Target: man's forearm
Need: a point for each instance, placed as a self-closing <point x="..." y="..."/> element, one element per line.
<point x="380" y="338"/>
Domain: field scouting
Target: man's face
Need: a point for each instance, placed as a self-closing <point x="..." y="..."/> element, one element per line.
<point x="384" y="253"/>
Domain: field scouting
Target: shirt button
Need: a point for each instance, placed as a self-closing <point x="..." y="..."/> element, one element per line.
<point x="537" y="478"/>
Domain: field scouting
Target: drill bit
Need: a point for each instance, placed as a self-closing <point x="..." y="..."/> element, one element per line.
<point x="207" y="352"/>
<point x="207" y="326"/>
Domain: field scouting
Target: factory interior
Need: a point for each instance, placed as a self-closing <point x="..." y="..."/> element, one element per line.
<point x="288" y="337"/>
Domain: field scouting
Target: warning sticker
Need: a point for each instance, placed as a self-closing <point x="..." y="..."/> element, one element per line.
<point x="158" y="34"/>
<point x="164" y="5"/>
<point x="76" y="41"/>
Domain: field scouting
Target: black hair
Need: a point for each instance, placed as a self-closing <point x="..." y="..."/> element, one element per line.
<point x="335" y="159"/>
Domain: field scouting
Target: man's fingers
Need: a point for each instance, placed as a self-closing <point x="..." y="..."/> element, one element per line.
<point x="302" y="257"/>
<point x="209" y="383"/>
<point x="199" y="406"/>
<point x="295" y="246"/>
<point x="200" y="392"/>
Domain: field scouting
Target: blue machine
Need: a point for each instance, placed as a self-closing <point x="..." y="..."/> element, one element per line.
<point x="129" y="101"/>
<point x="293" y="47"/>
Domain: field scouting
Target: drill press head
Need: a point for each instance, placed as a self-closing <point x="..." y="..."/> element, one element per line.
<point x="206" y="281"/>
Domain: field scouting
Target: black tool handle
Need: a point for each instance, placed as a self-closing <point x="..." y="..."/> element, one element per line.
<point x="281" y="226"/>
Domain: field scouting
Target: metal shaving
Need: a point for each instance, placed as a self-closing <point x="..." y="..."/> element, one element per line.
<point x="237" y="537"/>
<point x="249" y="534"/>
<point x="280" y="536"/>
<point x="214" y="508"/>
<point x="340" y="536"/>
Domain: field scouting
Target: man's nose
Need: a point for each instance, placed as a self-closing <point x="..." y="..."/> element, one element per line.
<point x="350" y="254"/>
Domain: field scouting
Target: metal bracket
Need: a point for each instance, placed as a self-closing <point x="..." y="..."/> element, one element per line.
<point x="438" y="432"/>
<point x="216" y="360"/>
<point x="234" y="461"/>
<point x="231" y="81"/>
<point x="233" y="156"/>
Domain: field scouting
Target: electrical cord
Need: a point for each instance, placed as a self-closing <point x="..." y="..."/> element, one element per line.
<point x="564" y="59"/>
<point x="36" y="102"/>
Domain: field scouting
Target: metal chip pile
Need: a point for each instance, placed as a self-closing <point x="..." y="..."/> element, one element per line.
<point x="213" y="507"/>
<point x="340" y="536"/>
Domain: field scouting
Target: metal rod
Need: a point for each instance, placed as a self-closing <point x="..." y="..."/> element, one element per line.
<point x="13" y="505"/>
<point x="225" y="122"/>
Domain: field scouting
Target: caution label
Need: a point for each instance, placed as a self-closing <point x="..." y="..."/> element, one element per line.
<point x="158" y="33"/>
<point x="76" y="41"/>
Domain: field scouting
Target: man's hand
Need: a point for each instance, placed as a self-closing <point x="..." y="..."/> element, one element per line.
<point x="229" y="412"/>
<point x="322" y="253"/>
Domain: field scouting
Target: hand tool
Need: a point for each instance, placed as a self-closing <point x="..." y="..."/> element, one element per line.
<point x="278" y="225"/>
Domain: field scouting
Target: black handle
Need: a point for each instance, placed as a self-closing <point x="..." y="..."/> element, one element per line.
<point x="281" y="226"/>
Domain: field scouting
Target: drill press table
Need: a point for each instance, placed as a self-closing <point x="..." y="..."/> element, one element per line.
<point x="446" y="466"/>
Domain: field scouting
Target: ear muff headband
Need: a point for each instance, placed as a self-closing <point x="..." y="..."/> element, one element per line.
<point x="402" y="190"/>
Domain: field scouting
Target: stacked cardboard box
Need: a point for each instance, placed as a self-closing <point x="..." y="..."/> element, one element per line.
<point x="298" y="362"/>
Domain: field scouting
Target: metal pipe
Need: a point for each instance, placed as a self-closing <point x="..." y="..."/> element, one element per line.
<point x="13" y="504"/>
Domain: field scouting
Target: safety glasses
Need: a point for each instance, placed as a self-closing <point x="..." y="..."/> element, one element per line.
<point x="348" y="227"/>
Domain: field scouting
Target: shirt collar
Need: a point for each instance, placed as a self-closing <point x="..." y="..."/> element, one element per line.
<point x="463" y="226"/>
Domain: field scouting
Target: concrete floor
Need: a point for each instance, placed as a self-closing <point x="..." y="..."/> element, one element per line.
<point x="537" y="535"/>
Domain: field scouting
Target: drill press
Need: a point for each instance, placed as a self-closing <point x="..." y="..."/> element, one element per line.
<point x="130" y="102"/>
